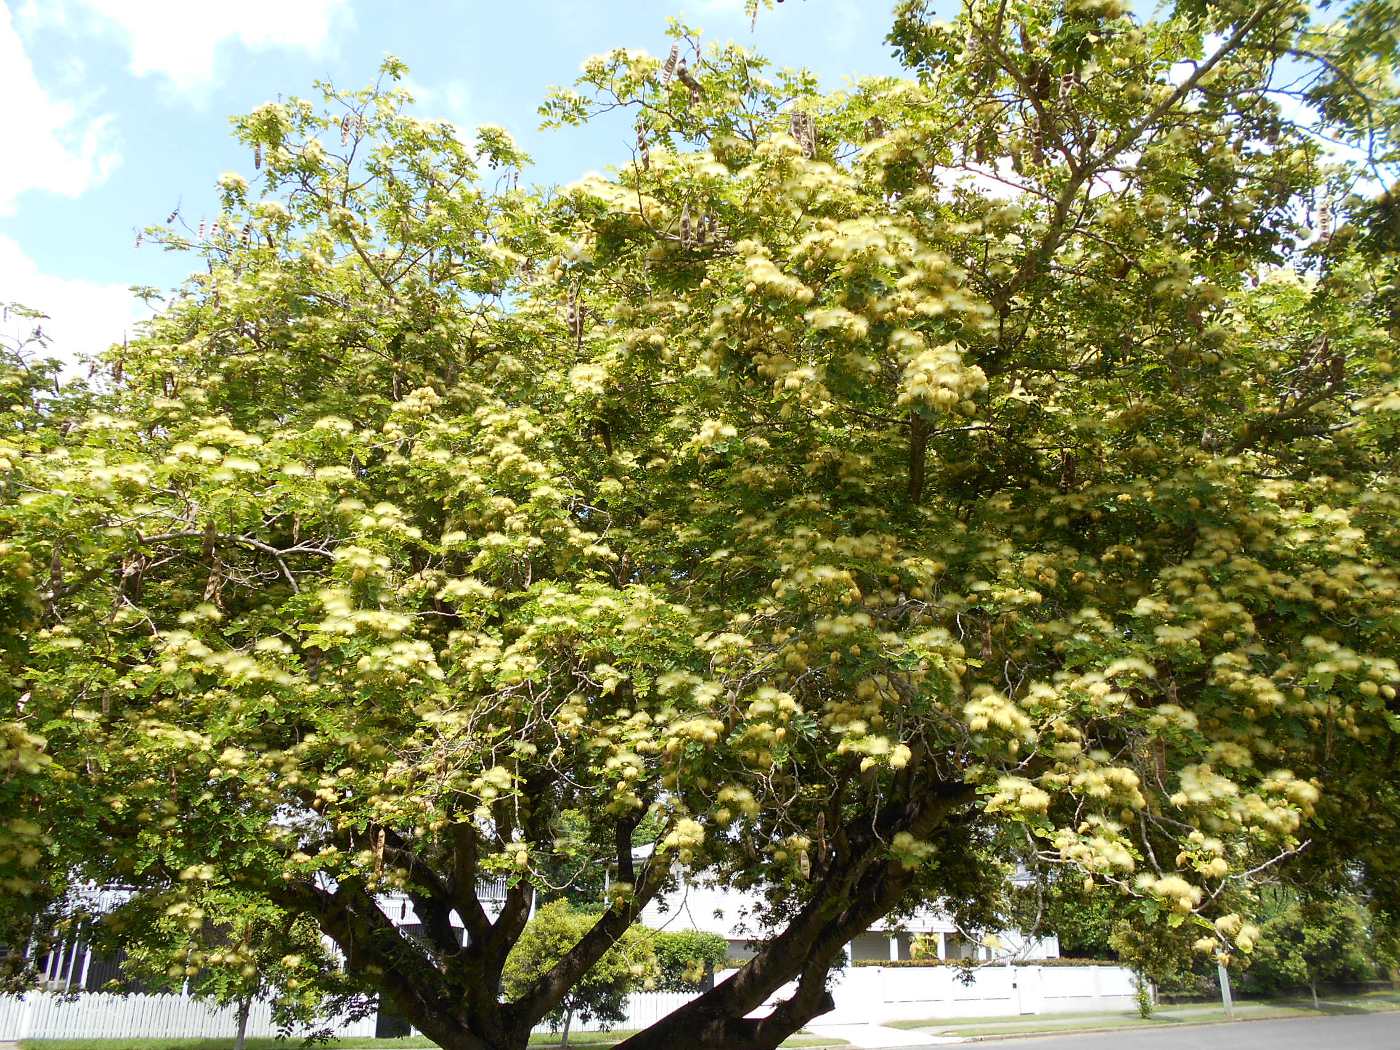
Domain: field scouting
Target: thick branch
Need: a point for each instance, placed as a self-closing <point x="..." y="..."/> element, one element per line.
<point x="376" y="951"/>
<point x="860" y="887"/>
<point x="462" y="885"/>
<point x="1259" y="429"/>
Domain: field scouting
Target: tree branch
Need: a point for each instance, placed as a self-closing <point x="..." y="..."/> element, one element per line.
<point x="546" y="992"/>
<point x="855" y="891"/>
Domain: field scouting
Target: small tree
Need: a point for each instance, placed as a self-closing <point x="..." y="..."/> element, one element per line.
<point x="231" y="949"/>
<point x="1080" y="918"/>
<point x="1157" y="954"/>
<point x="601" y="993"/>
<point x="1311" y="940"/>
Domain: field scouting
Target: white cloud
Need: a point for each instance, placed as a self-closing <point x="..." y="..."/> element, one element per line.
<point x="449" y="100"/>
<point x="49" y="143"/>
<point x="179" y="39"/>
<point x="85" y="317"/>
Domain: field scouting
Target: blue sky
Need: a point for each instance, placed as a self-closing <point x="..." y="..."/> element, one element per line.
<point x="115" y="110"/>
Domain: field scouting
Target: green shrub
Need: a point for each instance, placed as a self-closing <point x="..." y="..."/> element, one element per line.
<point x="685" y="957"/>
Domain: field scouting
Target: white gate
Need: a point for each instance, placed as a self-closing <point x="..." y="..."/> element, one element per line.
<point x="1029" y="990"/>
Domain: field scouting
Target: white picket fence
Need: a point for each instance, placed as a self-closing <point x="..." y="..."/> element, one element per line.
<point x="97" y="1015"/>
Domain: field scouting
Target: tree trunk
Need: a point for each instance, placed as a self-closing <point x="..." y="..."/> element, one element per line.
<point x="568" y="1020"/>
<point x="1312" y="985"/>
<point x="452" y="1032"/>
<point x="245" y="1006"/>
<point x="918" y="454"/>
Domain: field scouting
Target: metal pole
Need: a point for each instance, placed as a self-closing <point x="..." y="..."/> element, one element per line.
<point x="1225" y="991"/>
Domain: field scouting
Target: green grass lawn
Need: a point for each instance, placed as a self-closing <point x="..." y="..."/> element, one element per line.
<point x="594" y="1040"/>
<point x="1163" y="1016"/>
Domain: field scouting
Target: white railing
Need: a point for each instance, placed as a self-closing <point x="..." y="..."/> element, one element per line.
<point x="96" y="1014"/>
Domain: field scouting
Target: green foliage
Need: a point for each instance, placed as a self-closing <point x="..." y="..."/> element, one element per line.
<point x="1143" y="995"/>
<point x="1157" y="956"/>
<point x="855" y="497"/>
<point x="685" y="957"/>
<point x="1310" y="941"/>
<point x="29" y="882"/>
<point x="601" y="994"/>
<point x="1080" y="917"/>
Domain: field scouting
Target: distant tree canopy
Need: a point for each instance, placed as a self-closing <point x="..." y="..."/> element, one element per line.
<point x="850" y="497"/>
<point x="1307" y="941"/>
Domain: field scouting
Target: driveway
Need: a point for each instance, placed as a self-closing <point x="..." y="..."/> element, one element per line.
<point x="1378" y="1031"/>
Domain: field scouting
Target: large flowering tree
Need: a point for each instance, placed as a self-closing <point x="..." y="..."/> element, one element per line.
<point x="850" y="496"/>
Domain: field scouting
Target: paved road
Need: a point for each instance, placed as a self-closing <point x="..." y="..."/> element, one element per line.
<point x="1380" y="1031"/>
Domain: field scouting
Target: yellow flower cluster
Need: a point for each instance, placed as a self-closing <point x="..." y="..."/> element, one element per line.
<point x="1017" y="793"/>
<point x="909" y="851"/>
<point x="1100" y="851"/>
<point x="764" y="277"/>
<point x="687" y="836"/>
<point x="589" y="379"/>
<point x="401" y="661"/>
<point x="839" y="321"/>
<point x="990" y="708"/>
<point x="1200" y="785"/>
<point x="342" y="617"/>
<point x="1174" y="890"/>
<point x="938" y="378"/>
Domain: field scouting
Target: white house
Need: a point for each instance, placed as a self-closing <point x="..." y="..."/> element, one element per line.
<point x="700" y="905"/>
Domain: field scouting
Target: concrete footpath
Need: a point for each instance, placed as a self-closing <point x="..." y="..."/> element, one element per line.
<point x="1164" y="1017"/>
<point x="874" y="1035"/>
<point x="1377" y="1031"/>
